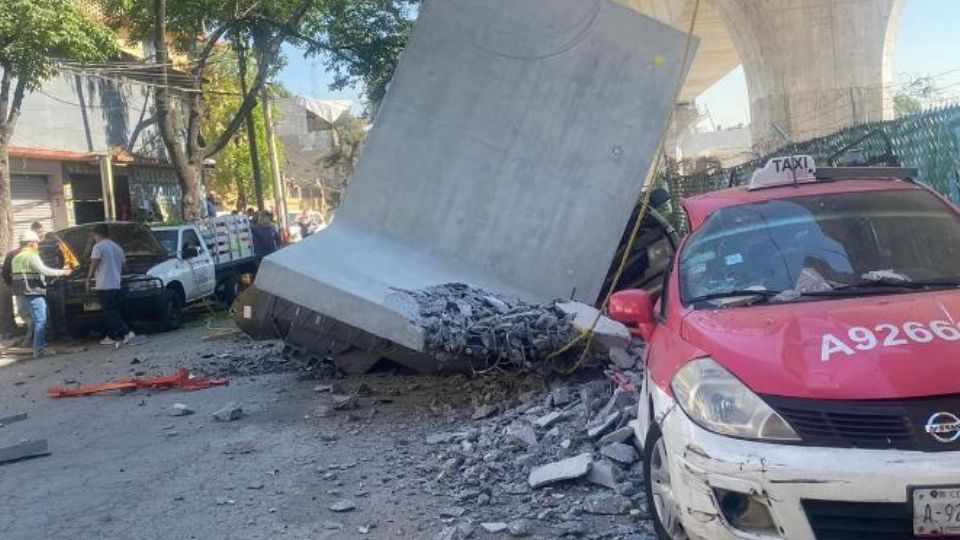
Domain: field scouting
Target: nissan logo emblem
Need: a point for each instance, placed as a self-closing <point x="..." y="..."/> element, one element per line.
<point x="943" y="426"/>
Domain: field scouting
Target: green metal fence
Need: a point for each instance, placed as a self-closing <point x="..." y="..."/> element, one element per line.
<point x="928" y="141"/>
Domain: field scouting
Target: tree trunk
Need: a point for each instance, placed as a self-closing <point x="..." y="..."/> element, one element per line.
<point x="251" y="128"/>
<point x="6" y="215"/>
<point x="7" y="324"/>
<point x="189" y="176"/>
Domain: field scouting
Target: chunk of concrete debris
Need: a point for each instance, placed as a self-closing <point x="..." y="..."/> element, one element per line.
<point x="522" y="433"/>
<point x="621" y="435"/>
<point x="566" y="469"/>
<point x="603" y="425"/>
<point x="521" y="527"/>
<point x="322" y="411"/>
<point x="461" y="531"/>
<point x="562" y="395"/>
<point x="484" y="411"/>
<point x="453" y="512"/>
<point x="604" y="474"/>
<point x="443" y="438"/>
<point x="619" y="452"/>
<point x="622" y="359"/>
<point x="606" y="504"/>
<point x="618" y="401"/>
<point x="344" y="401"/>
<point x="343" y="505"/>
<point x="230" y="412"/>
<point x="548" y="419"/>
<point x="180" y="409"/>
<point x="494" y="526"/>
<point x="607" y="332"/>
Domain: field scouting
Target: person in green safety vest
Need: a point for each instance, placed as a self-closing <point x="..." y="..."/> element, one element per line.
<point x="29" y="281"/>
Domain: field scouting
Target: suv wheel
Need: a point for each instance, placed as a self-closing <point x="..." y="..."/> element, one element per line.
<point x="170" y="310"/>
<point x="658" y="487"/>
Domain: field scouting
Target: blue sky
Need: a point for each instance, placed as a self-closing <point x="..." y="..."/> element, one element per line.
<point x="928" y="39"/>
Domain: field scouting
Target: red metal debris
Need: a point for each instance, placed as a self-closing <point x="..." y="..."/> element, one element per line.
<point x="181" y="379"/>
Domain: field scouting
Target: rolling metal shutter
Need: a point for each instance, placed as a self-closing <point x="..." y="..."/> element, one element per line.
<point x="31" y="202"/>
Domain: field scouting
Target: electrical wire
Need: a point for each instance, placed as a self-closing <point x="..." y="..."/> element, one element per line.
<point x="588" y="334"/>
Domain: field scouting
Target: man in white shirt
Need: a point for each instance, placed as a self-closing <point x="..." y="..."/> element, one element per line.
<point x="106" y="265"/>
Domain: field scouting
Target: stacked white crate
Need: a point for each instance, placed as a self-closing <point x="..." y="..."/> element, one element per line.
<point x="228" y="238"/>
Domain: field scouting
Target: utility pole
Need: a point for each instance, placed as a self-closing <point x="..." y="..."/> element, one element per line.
<point x="240" y="47"/>
<point x="279" y="193"/>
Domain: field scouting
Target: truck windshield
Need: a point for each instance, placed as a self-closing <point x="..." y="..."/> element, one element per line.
<point x="168" y="240"/>
<point x="821" y="246"/>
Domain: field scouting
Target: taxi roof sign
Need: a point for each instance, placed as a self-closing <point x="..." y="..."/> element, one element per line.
<point x="784" y="171"/>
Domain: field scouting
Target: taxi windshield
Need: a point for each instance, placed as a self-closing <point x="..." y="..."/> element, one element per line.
<point x="820" y="246"/>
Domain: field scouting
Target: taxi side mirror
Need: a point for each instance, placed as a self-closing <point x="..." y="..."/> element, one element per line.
<point x="634" y="309"/>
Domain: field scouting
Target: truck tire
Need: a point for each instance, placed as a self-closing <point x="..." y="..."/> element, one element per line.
<point x="171" y="310"/>
<point x="231" y="289"/>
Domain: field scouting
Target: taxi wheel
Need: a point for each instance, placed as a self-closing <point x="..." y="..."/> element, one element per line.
<point x="658" y="486"/>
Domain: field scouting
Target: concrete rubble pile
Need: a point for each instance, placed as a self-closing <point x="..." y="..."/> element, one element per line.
<point x="563" y="464"/>
<point x="462" y="321"/>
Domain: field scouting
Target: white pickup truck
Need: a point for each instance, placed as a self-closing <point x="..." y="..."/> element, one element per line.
<point x="165" y="268"/>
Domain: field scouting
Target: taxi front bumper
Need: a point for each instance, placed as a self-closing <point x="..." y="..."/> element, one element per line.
<point x="811" y="493"/>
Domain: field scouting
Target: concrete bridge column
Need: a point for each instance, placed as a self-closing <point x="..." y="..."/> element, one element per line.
<point x="812" y="66"/>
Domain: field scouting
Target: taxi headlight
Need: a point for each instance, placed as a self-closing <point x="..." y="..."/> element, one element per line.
<point x="717" y="401"/>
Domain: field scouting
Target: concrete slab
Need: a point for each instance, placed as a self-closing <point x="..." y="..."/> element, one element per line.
<point x="508" y="155"/>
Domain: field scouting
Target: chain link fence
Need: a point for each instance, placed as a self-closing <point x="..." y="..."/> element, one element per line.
<point x="928" y="141"/>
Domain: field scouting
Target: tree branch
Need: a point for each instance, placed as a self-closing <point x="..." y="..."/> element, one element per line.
<point x="5" y="92"/>
<point x="10" y="122"/>
<point x="264" y="64"/>
<point x="165" y="121"/>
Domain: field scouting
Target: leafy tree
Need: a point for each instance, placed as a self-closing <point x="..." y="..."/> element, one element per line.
<point x="233" y="175"/>
<point x="34" y="36"/>
<point x="905" y="104"/>
<point x="359" y="39"/>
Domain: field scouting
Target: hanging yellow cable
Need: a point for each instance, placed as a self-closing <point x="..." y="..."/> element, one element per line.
<point x="587" y="335"/>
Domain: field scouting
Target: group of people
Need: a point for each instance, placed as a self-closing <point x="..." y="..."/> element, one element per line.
<point x="26" y="269"/>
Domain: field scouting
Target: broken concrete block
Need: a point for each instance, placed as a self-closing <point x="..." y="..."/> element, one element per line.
<point x="567" y="469"/>
<point x="621" y="435"/>
<point x="561" y="396"/>
<point x="618" y="401"/>
<point x="443" y="438"/>
<point x="343" y="505"/>
<point x="461" y="531"/>
<point x="622" y="359"/>
<point x="548" y="419"/>
<point x="604" y="474"/>
<point x="606" y="504"/>
<point x="494" y="526"/>
<point x="453" y="512"/>
<point x="619" y="452"/>
<point x="607" y="332"/>
<point x="484" y="411"/>
<point x="180" y="409"/>
<point x="344" y="401"/>
<point x="230" y="412"/>
<point x="521" y="527"/>
<point x="603" y="425"/>
<point x="522" y="433"/>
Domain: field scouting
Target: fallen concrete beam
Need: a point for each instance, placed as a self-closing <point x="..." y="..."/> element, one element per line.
<point x="508" y="155"/>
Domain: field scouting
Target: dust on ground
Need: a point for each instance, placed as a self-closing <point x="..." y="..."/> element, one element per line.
<point x="383" y="455"/>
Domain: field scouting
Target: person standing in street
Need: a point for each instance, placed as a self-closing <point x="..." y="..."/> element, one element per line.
<point x="21" y="302"/>
<point x="106" y="269"/>
<point x="29" y="281"/>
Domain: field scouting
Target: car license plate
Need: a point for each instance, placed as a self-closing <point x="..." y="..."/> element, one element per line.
<point x="936" y="511"/>
<point x="92" y="306"/>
